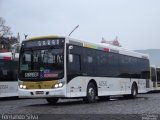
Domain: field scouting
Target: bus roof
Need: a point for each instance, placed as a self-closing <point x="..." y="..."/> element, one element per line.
<point x="112" y="48"/>
<point x="45" y="37"/>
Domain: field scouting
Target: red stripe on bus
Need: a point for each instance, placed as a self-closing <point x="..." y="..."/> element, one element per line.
<point x="7" y="58"/>
<point x="106" y="49"/>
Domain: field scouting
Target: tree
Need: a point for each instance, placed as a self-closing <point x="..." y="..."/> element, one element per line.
<point x="7" y="41"/>
<point x="4" y="30"/>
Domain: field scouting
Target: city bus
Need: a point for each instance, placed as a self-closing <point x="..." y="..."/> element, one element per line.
<point x="54" y="67"/>
<point x="9" y="74"/>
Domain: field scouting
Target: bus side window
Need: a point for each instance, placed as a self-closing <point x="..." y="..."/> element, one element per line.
<point x="74" y="63"/>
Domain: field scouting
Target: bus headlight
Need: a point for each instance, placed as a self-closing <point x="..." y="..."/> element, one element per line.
<point x="22" y="86"/>
<point x="58" y="85"/>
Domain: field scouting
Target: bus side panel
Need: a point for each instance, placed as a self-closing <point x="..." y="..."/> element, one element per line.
<point x="142" y="88"/>
<point x="8" y="89"/>
<point x="77" y="87"/>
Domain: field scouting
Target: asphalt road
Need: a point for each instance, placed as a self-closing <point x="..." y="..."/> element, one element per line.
<point x="143" y="104"/>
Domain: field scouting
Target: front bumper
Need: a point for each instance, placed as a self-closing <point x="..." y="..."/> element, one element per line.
<point x="41" y="93"/>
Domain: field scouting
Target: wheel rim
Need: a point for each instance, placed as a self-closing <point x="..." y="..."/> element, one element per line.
<point x="91" y="93"/>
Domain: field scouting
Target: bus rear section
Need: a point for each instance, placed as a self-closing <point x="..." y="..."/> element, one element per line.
<point x="96" y="70"/>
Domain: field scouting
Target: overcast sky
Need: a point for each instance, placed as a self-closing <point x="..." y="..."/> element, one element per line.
<point x="135" y="22"/>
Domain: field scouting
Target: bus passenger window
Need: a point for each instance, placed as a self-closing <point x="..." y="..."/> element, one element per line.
<point x="74" y="63"/>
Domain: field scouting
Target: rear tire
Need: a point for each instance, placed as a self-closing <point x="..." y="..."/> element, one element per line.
<point x="52" y="100"/>
<point x="91" y="93"/>
<point x="134" y="91"/>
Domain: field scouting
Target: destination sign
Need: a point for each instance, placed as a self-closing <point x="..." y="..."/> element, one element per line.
<point x="39" y="43"/>
<point x="32" y="74"/>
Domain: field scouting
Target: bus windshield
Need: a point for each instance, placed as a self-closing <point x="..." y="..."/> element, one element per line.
<point x="42" y="64"/>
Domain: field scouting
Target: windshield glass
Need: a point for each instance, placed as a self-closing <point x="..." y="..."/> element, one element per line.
<point x="42" y="64"/>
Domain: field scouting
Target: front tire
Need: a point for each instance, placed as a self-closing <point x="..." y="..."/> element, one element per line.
<point x="52" y="100"/>
<point x="91" y="93"/>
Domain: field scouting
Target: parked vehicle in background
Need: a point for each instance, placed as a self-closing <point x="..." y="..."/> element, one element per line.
<point x="154" y="83"/>
<point x="8" y="74"/>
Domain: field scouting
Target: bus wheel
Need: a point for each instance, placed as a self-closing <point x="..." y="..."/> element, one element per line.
<point x="91" y="93"/>
<point x="52" y="100"/>
<point x="134" y="91"/>
<point x="104" y="98"/>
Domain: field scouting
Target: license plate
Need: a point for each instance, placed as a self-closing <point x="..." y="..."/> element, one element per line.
<point x="39" y="92"/>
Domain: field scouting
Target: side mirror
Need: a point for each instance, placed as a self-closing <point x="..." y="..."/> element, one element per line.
<point x="70" y="57"/>
<point x="70" y="47"/>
